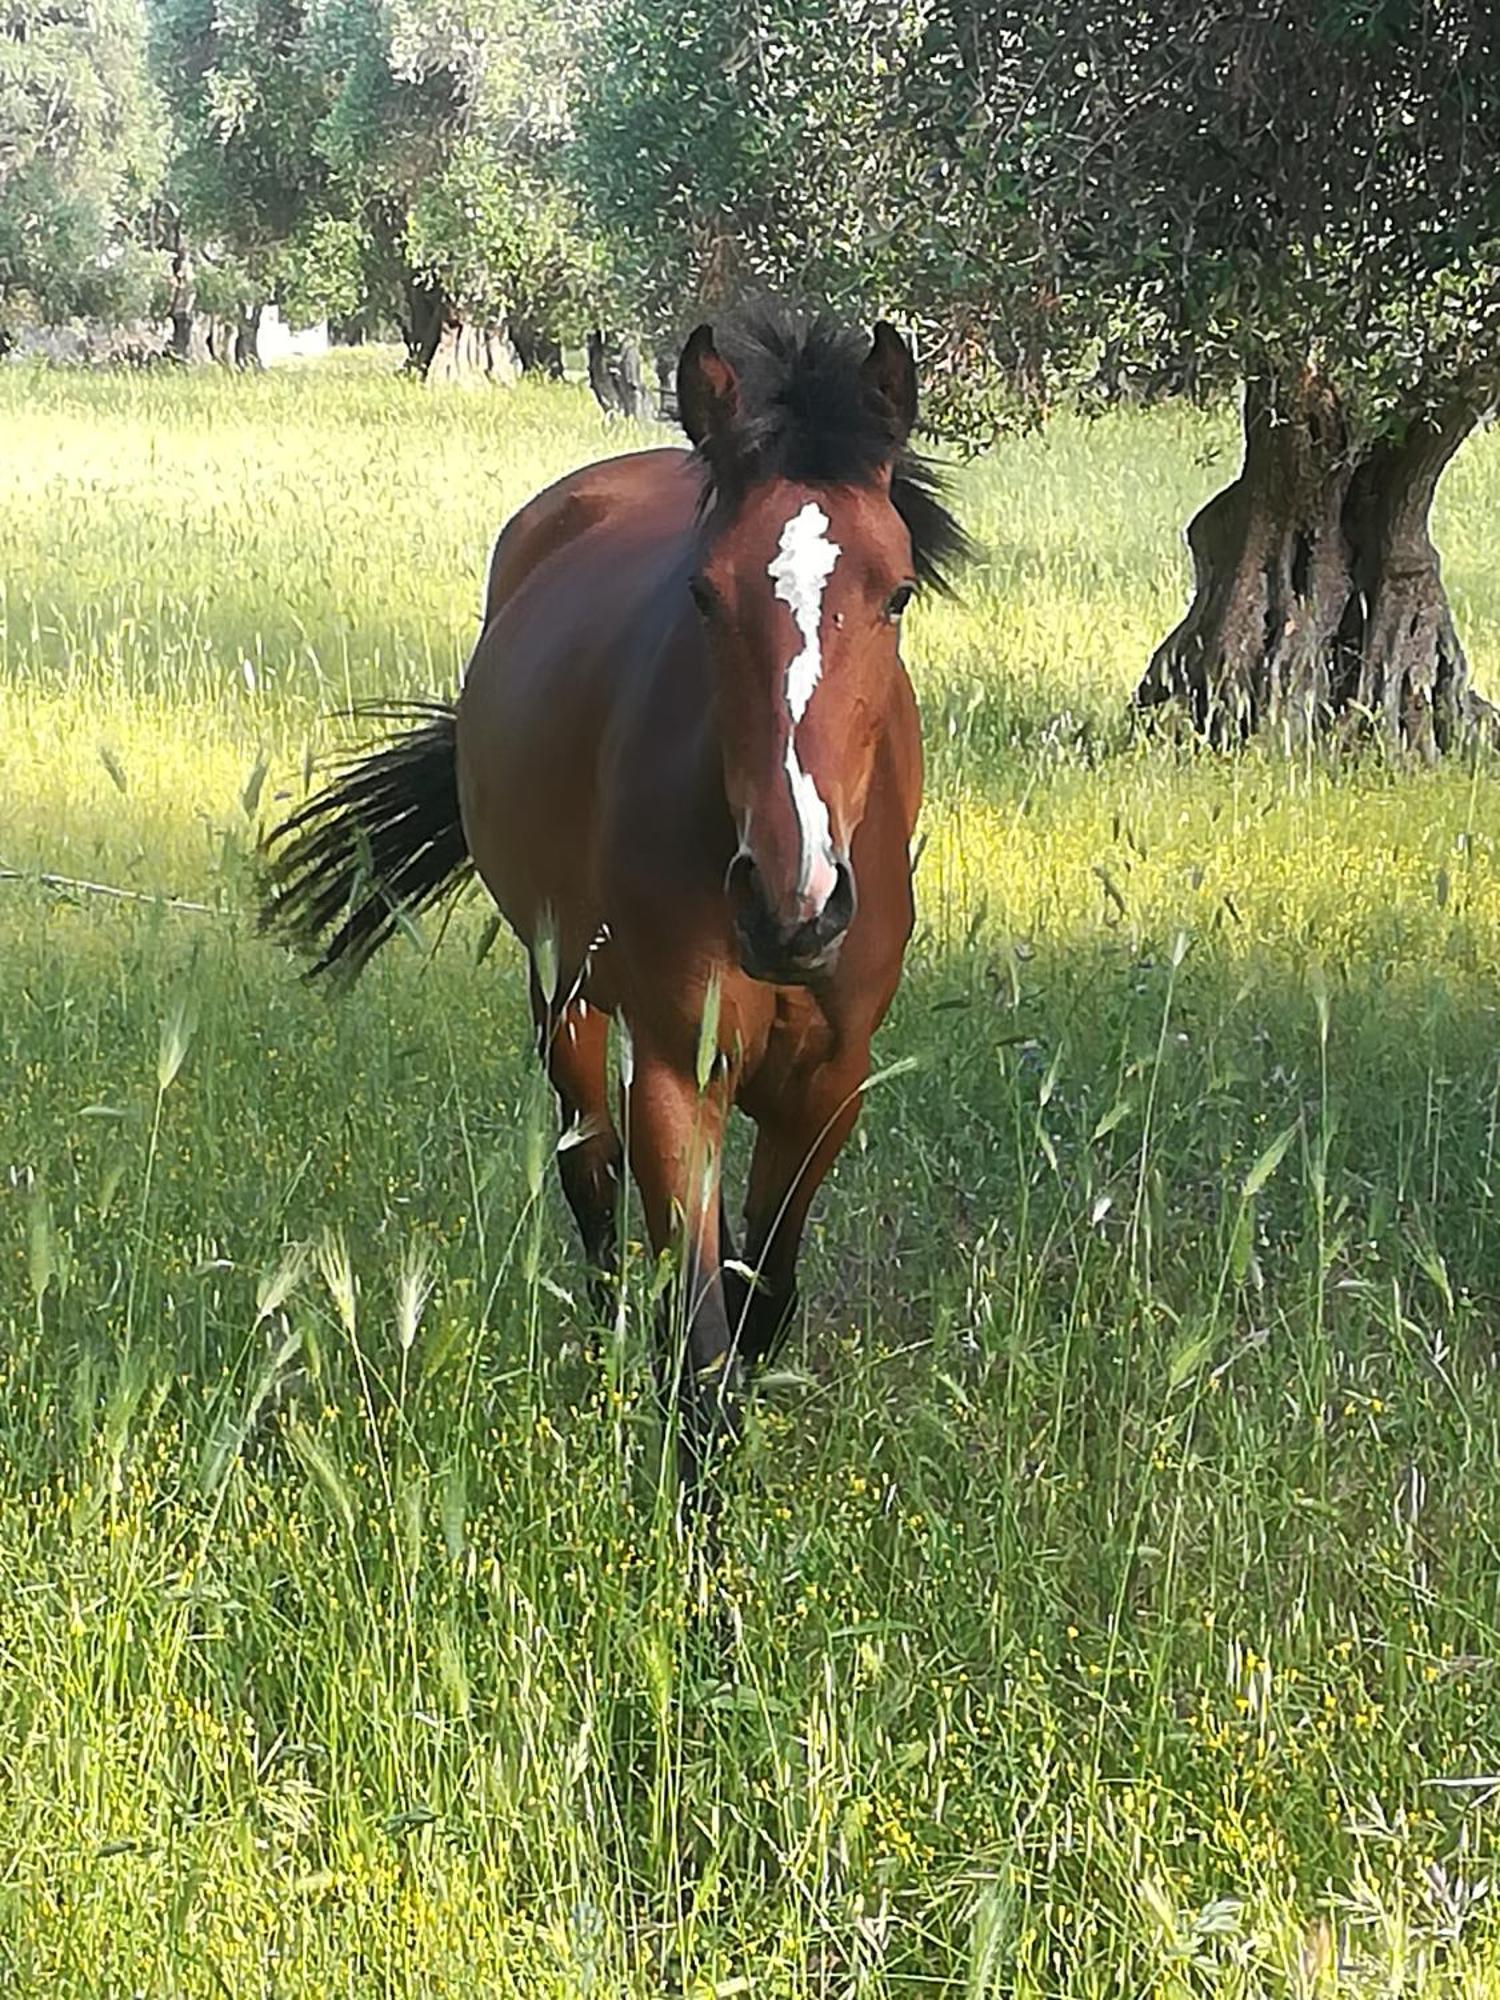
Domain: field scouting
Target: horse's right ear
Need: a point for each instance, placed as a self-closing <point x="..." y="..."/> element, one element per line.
<point x="890" y="376"/>
<point x="708" y="392"/>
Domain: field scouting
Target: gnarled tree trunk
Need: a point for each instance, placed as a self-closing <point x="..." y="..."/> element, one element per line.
<point x="1318" y="604"/>
<point x="1402" y="662"/>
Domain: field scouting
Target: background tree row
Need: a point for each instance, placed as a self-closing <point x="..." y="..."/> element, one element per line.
<point x="1296" y="202"/>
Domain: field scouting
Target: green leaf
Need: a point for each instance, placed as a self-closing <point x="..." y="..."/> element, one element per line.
<point x="250" y="796"/>
<point x="487" y="939"/>
<point x="1116" y="1115"/>
<point x="1187" y="1358"/>
<point x="1241" y="1242"/>
<point x="1049" y="1081"/>
<point x="41" y="1262"/>
<point x="544" y="955"/>
<point x="1267" y="1164"/>
<point x="708" y="1032"/>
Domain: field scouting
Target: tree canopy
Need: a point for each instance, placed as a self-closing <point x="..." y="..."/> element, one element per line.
<point x="1068" y="197"/>
<point x="80" y="155"/>
<point x="1056" y="196"/>
<point x="1219" y="186"/>
<point x="750" y="146"/>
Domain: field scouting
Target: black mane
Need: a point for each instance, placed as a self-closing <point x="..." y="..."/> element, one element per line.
<point x="805" y="414"/>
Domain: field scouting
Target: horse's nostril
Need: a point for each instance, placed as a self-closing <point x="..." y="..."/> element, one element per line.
<point x="771" y="946"/>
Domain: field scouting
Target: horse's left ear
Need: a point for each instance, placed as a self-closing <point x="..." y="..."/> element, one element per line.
<point x="708" y="392"/>
<point x="890" y="375"/>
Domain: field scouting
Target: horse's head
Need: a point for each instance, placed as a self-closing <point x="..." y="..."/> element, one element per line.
<point x="817" y="531"/>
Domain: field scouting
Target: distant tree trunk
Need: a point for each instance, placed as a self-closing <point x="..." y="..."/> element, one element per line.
<point x="469" y="353"/>
<point x="666" y="387"/>
<point x="445" y="348"/>
<point x="600" y="379"/>
<point x="427" y="312"/>
<point x="219" y="338"/>
<point x="1318" y="604"/>
<point x="233" y="341"/>
<point x="189" y="340"/>
<point x="540" y="353"/>
<point x="636" y="400"/>
<point x="247" y="338"/>
<point x="617" y="376"/>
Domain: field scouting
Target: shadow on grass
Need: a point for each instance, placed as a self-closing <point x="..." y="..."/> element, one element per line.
<point x="1075" y="1105"/>
<point x="1130" y="1101"/>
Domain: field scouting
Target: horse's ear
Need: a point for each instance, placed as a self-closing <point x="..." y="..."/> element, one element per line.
<point x="890" y="376"/>
<point x="708" y="390"/>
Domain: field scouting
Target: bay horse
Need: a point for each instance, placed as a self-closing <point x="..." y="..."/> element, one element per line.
<point x="685" y="762"/>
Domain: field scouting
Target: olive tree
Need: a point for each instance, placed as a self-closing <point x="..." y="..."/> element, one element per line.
<point x="1301" y="198"/>
<point x="251" y="209"/>
<point x="446" y="123"/>
<point x="81" y="141"/>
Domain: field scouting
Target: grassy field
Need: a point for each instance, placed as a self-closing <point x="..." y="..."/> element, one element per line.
<point x="1110" y="1598"/>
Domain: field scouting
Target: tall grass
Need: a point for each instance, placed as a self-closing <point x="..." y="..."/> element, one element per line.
<point x="1109" y="1591"/>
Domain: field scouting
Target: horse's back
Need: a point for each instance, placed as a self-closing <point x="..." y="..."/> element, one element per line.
<point x="661" y="482"/>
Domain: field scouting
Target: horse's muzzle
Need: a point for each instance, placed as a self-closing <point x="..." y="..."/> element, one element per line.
<point x="779" y="953"/>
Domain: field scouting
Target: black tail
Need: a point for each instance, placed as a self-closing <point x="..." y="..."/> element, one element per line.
<point x="384" y="840"/>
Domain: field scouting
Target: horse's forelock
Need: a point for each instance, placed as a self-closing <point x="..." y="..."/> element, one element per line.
<point x="806" y="413"/>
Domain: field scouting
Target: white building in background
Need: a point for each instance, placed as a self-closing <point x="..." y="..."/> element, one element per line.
<point x="276" y="341"/>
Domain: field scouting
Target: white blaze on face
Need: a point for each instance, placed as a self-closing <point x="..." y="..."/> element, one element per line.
<point x="801" y="569"/>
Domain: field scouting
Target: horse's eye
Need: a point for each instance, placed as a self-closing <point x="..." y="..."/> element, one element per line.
<point x="701" y="595"/>
<point x="898" y="600"/>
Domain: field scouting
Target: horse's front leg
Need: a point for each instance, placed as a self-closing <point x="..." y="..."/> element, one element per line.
<point x="675" y="1136"/>
<point x="798" y="1138"/>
